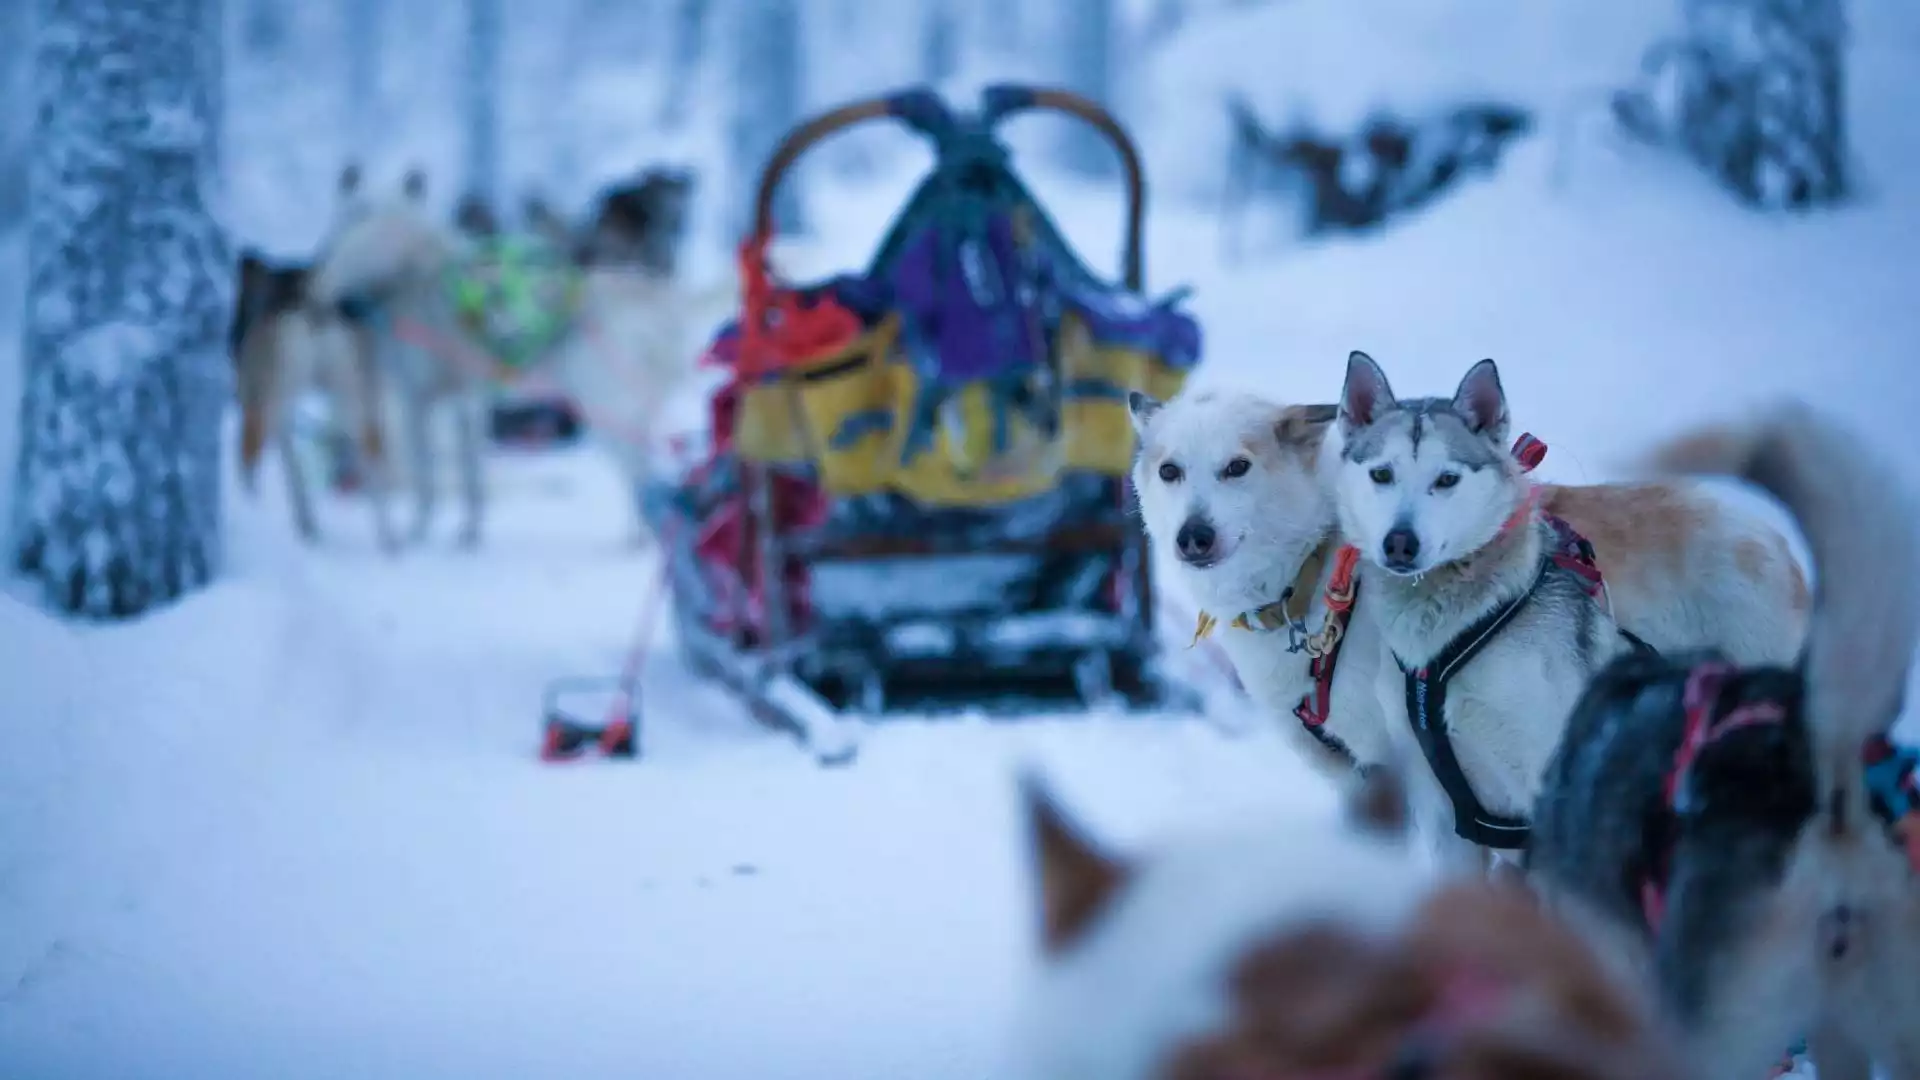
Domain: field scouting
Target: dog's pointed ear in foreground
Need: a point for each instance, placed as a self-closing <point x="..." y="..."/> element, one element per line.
<point x="253" y="273"/>
<point x="1364" y="393"/>
<point x="1140" y="410"/>
<point x="1376" y="801"/>
<point x="1077" y="881"/>
<point x="1304" y="426"/>
<point x="1482" y="401"/>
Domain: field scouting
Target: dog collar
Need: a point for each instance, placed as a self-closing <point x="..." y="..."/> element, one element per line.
<point x="1292" y="607"/>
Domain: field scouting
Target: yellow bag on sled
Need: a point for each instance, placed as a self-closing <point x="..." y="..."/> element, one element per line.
<point x="852" y="414"/>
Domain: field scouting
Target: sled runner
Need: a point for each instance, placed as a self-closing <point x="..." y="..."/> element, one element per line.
<point x="932" y="453"/>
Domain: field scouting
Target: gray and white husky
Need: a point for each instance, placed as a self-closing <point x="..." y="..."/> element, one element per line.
<point x="1714" y="823"/>
<point x="1492" y="640"/>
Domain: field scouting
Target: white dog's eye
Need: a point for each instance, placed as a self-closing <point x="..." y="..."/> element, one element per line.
<point x="1170" y="472"/>
<point x="1380" y="474"/>
<point x="1445" y="480"/>
<point x="1236" y="467"/>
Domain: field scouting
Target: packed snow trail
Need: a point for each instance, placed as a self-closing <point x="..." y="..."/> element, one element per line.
<point x="298" y="828"/>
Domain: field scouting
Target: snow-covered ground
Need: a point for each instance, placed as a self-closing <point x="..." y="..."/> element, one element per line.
<point x="295" y="827"/>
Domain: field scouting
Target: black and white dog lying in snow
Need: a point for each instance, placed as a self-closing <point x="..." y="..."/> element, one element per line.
<point x="1719" y="827"/>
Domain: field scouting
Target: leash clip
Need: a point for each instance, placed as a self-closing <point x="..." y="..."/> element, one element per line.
<point x="1316" y="644"/>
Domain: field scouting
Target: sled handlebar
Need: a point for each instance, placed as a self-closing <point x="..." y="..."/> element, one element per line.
<point x="801" y="139"/>
<point x="1004" y="99"/>
<point x="923" y="111"/>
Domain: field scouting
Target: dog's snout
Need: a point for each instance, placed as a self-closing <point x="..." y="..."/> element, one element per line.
<point x="1196" y="540"/>
<point x="1401" y="548"/>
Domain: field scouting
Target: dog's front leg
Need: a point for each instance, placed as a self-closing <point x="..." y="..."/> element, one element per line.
<point x="361" y="398"/>
<point x="1838" y="1056"/>
<point x="1734" y="964"/>
<point x="378" y="470"/>
<point x="469" y="426"/>
<point x="1433" y="814"/>
<point x="416" y="418"/>
<point x="298" y="491"/>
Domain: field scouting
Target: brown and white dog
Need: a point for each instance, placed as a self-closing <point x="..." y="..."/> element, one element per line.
<point x="1239" y="494"/>
<point x="1309" y="950"/>
<point x="292" y="334"/>
<point x="283" y="348"/>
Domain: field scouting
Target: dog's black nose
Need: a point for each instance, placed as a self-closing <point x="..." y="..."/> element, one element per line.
<point x="1195" y="541"/>
<point x="1400" y="548"/>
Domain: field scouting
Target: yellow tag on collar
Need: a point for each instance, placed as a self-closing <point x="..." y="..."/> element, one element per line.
<point x="1271" y="617"/>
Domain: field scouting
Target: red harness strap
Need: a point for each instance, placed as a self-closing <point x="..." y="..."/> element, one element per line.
<point x="1698" y="731"/>
<point x="1341" y="593"/>
<point x="1893" y="775"/>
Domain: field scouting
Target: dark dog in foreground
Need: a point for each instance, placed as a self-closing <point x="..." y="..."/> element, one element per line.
<point x="1291" y="949"/>
<point x="1732" y="830"/>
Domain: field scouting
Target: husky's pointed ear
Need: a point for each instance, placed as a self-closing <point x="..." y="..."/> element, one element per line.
<point x="1077" y="881"/>
<point x="1304" y="426"/>
<point x="1365" y="393"/>
<point x="1140" y="410"/>
<point x="1377" y="801"/>
<point x="1481" y="400"/>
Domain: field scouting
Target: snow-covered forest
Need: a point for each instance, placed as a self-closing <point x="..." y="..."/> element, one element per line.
<point x="272" y="807"/>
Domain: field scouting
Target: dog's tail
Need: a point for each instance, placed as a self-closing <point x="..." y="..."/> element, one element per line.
<point x="1860" y="530"/>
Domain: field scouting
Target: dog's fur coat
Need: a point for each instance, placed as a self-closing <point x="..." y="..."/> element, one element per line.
<point x="1292" y="948"/>
<point x="1789" y="912"/>
<point x="1683" y="571"/>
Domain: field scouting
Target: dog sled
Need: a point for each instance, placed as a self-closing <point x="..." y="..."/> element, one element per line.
<point x="914" y="496"/>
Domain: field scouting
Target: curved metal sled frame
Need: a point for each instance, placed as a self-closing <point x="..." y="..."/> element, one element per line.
<point x="1117" y="670"/>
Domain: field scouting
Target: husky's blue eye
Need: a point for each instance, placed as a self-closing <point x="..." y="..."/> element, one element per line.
<point x="1169" y="472"/>
<point x="1445" y="480"/>
<point x="1380" y="474"/>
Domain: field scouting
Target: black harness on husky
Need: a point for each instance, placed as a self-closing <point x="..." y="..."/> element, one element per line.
<point x="1427" y="691"/>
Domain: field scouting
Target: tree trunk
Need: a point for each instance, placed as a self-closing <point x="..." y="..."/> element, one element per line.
<point x="117" y="506"/>
<point x="482" y="101"/>
<point x="687" y="40"/>
<point x="1000" y="26"/>
<point x="263" y="27"/>
<point x="364" y="127"/>
<point x="939" y="42"/>
<point x="1086" y="28"/>
<point x="15" y="69"/>
<point x="767" y="89"/>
